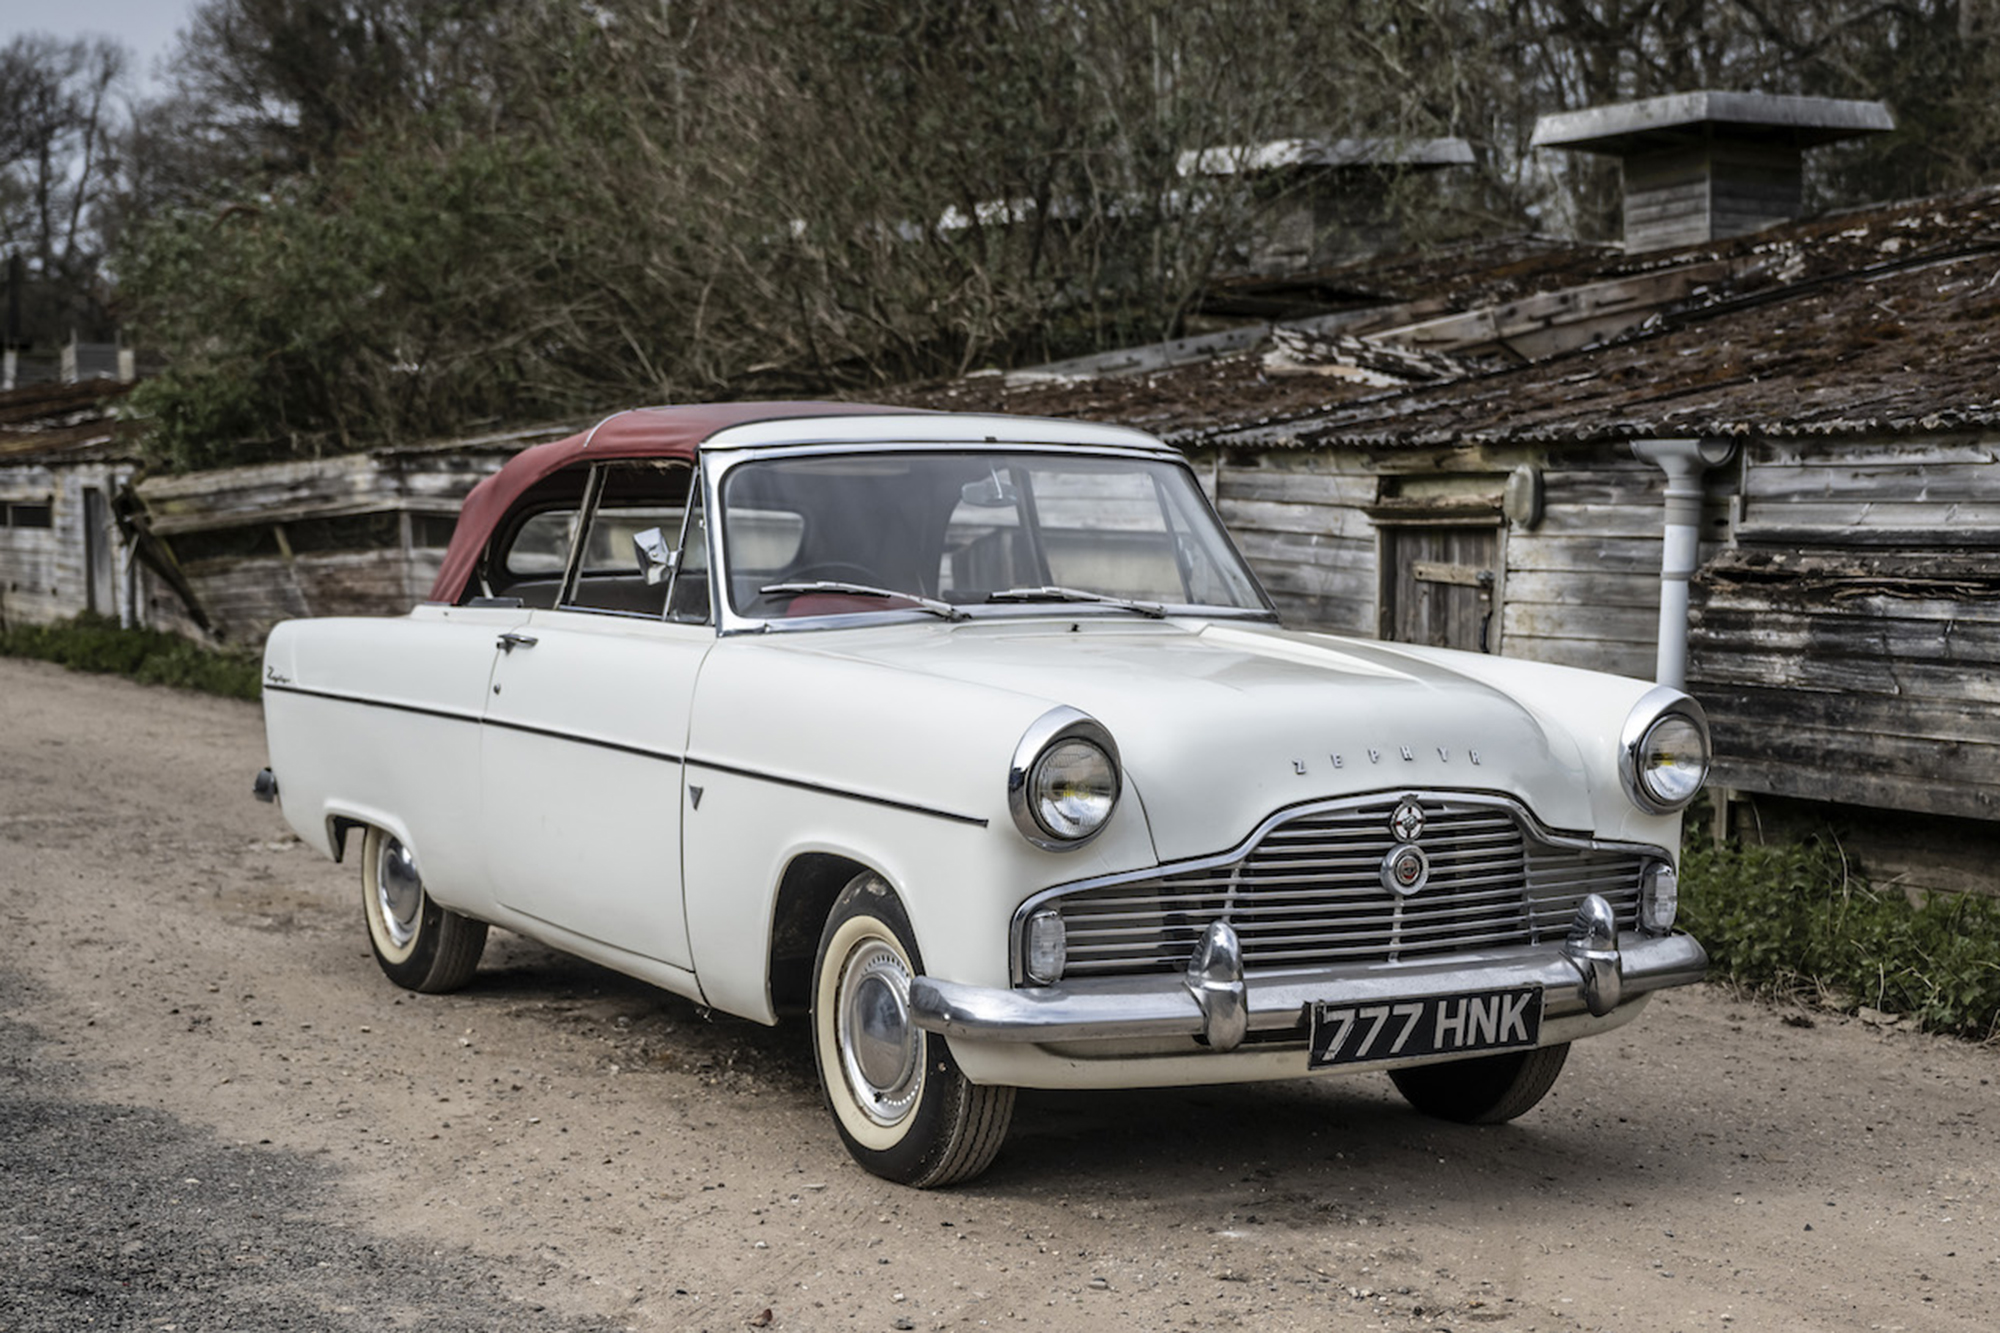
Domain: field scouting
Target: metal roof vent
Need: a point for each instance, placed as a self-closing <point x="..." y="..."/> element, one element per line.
<point x="1704" y="165"/>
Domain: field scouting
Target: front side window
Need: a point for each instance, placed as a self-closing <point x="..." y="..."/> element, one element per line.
<point x="572" y="543"/>
<point x="622" y="501"/>
<point x="987" y="532"/>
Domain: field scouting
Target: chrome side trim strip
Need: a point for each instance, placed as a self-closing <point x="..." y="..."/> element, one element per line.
<point x="420" y="709"/>
<point x="801" y="784"/>
<point x="573" y="737"/>
<point x="454" y="716"/>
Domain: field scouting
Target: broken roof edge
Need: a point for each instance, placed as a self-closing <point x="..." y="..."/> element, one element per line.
<point x="1299" y="435"/>
<point x="1619" y="126"/>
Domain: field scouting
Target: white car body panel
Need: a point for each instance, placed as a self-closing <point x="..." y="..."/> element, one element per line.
<point x="586" y="836"/>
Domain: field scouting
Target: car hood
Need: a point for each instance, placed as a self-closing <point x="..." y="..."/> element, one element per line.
<point x="1218" y="725"/>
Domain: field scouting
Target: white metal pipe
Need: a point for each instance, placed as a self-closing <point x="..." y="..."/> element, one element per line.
<point x="1683" y="461"/>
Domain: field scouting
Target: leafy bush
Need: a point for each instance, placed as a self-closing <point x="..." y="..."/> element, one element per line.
<point x="94" y="643"/>
<point x="1799" y="921"/>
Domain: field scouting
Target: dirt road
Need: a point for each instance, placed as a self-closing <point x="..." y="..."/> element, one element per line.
<point x="215" y="1113"/>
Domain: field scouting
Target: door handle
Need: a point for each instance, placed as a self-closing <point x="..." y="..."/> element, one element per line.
<point x="509" y="641"/>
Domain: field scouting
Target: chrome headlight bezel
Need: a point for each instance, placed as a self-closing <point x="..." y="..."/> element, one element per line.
<point x="1050" y="732"/>
<point x="1660" y="705"/>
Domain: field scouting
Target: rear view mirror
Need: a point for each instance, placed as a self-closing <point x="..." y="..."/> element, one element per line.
<point x="993" y="492"/>
<point x="656" y="555"/>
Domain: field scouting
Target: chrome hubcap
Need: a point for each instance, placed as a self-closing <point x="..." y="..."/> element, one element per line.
<point x="398" y="891"/>
<point x="878" y="1043"/>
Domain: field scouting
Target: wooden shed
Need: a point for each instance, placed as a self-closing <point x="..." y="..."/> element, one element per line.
<point x="355" y="534"/>
<point x="1470" y="478"/>
<point x="64" y="461"/>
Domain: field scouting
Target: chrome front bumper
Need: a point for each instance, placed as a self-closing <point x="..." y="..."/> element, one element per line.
<point x="1593" y="971"/>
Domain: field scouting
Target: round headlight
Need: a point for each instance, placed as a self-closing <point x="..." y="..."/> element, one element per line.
<point x="1666" y="751"/>
<point x="1673" y="760"/>
<point x="1073" y="787"/>
<point x="1064" y="781"/>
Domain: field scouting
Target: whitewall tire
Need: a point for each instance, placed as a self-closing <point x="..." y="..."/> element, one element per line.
<point x="419" y="945"/>
<point x="902" y="1106"/>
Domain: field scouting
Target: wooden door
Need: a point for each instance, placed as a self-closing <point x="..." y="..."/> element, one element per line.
<point x="100" y="572"/>
<point x="1439" y="586"/>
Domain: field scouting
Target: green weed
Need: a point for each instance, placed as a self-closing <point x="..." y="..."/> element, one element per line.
<point x="94" y="643"/>
<point x="1800" y="921"/>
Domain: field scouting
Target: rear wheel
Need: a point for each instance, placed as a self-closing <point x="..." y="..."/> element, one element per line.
<point x="1484" y="1091"/>
<point x="901" y="1104"/>
<point x="419" y="945"/>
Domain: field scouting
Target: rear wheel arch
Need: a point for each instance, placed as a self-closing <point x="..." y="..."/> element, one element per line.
<point x="337" y="827"/>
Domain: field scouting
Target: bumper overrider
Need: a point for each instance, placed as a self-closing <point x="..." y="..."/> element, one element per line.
<point x="1593" y="971"/>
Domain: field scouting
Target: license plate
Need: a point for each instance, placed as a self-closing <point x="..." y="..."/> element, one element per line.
<point x="1466" y="1024"/>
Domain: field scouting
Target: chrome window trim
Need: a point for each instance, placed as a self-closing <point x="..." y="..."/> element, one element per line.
<point x="928" y="430"/>
<point x="586" y="511"/>
<point x="586" y="517"/>
<point x="1530" y="826"/>
<point x="695" y="503"/>
<point x="718" y="460"/>
<point x="1655" y="704"/>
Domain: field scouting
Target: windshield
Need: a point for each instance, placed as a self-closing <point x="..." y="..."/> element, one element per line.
<point x="989" y="530"/>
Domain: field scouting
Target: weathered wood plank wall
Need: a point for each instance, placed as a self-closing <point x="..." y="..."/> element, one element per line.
<point x="1848" y="647"/>
<point x="246" y="597"/>
<point x="44" y="574"/>
<point x="1580" y="588"/>
<point x="1583" y="585"/>
<point x="1300" y="520"/>
<point x="203" y="515"/>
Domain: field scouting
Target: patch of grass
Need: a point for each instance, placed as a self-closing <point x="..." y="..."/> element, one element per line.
<point x="1799" y="921"/>
<point x="95" y="643"/>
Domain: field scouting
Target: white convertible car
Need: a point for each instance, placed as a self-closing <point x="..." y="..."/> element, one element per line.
<point x="973" y="739"/>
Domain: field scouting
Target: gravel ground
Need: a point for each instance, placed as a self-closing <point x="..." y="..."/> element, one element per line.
<point x="123" y="1216"/>
<point x="216" y="1114"/>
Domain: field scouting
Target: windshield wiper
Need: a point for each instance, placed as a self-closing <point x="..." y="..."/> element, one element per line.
<point x="1056" y="594"/>
<point x="930" y="604"/>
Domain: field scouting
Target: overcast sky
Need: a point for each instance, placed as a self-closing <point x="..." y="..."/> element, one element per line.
<point x="146" y="27"/>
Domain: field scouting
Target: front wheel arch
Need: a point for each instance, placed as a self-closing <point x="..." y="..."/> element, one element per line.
<point x="806" y="894"/>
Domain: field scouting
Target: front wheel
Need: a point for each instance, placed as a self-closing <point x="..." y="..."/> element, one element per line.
<point x="899" y="1100"/>
<point x="419" y="945"/>
<point x="1484" y="1091"/>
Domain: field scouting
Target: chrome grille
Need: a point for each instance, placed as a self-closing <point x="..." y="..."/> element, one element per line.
<point x="1309" y="893"/>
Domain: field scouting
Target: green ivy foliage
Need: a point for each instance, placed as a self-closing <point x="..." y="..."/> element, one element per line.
<point x="1799" y="921"/>
<point x="152" y="657"/>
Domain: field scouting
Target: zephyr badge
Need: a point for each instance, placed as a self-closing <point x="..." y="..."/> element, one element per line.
<point x="1406" y="868"/>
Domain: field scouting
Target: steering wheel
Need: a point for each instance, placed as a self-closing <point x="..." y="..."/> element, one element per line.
<point x="833" y="571"/>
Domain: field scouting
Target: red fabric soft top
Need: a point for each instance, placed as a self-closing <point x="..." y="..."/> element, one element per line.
<point x="643" y="432"/>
